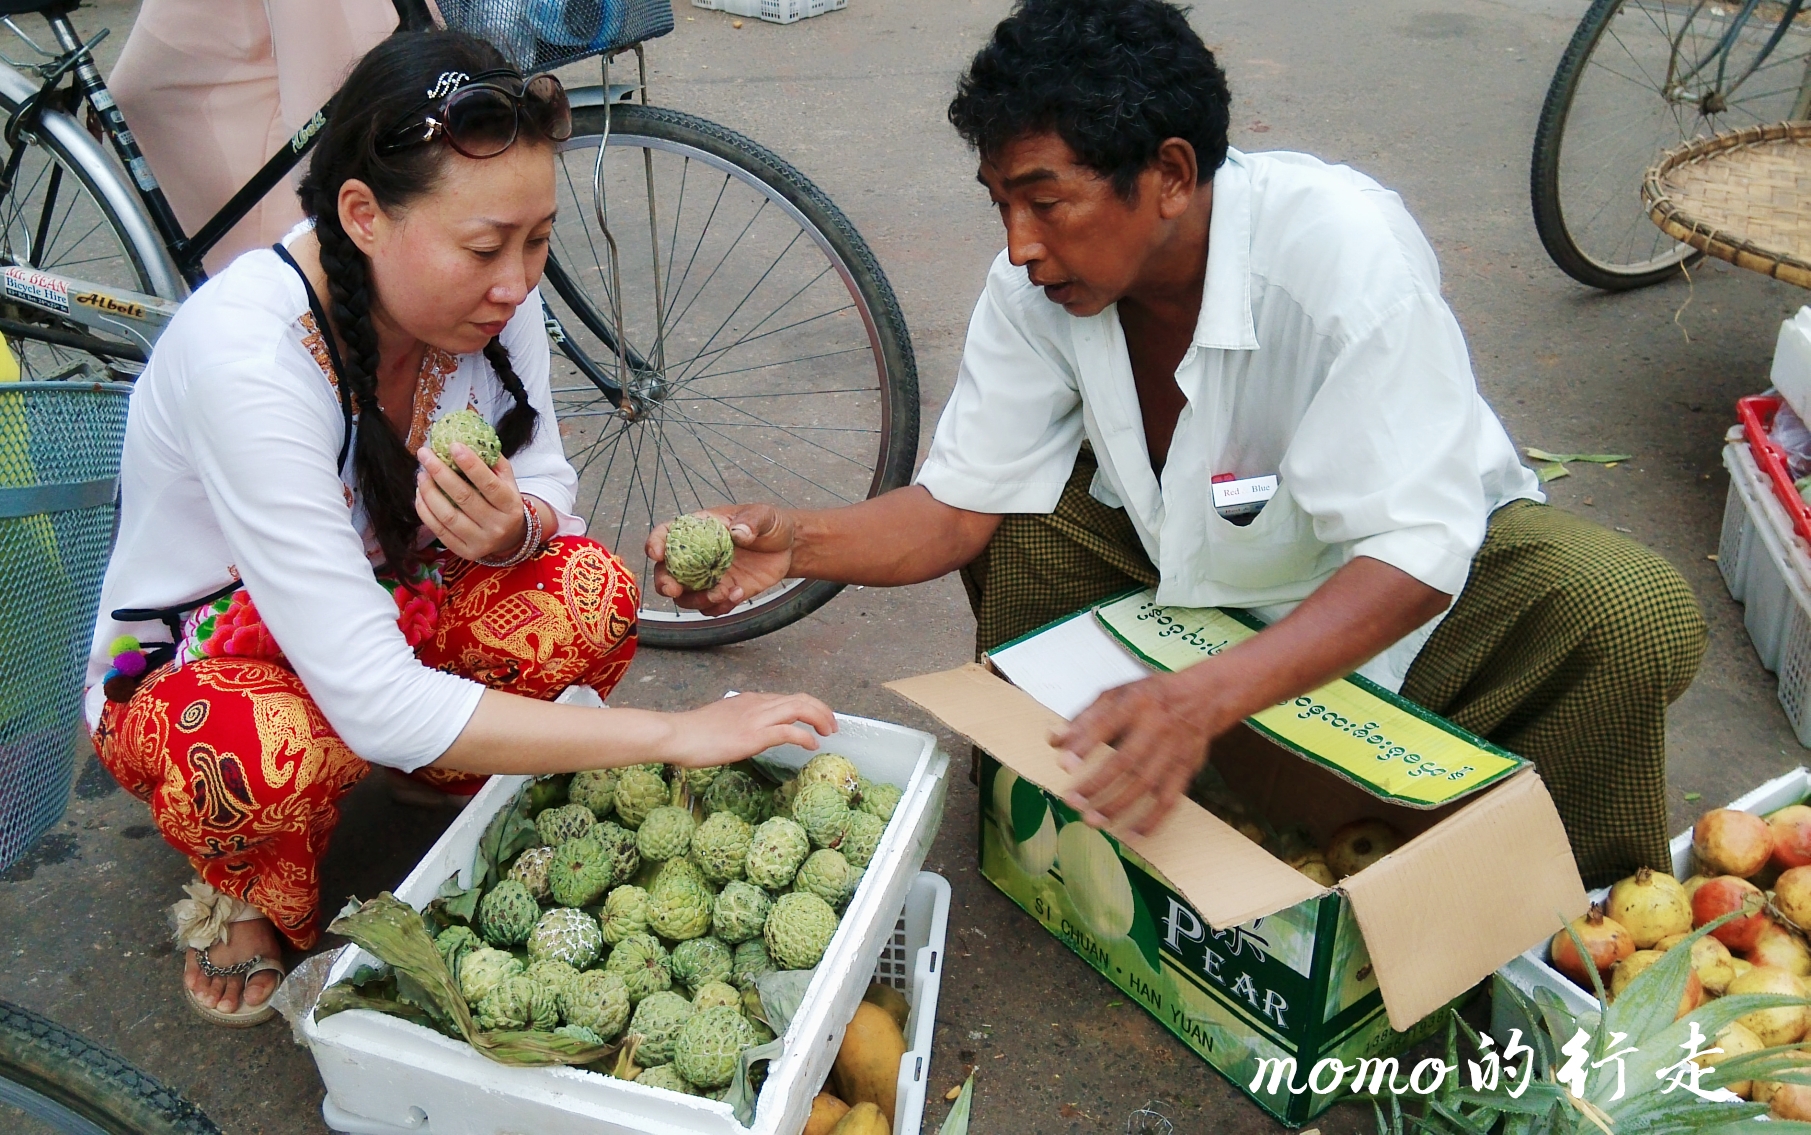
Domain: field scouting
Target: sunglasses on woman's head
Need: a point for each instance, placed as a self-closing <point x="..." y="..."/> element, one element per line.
<point x="481" y="115"/>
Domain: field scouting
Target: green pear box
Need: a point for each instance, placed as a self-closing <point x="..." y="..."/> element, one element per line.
<point x="1256" y="967"/>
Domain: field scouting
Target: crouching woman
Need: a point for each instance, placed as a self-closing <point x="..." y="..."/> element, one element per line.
<point x="300" y="587"/>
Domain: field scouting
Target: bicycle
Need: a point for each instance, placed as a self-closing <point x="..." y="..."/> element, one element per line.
<point x="1637" y="78"/>
<point x="732" y="337"/>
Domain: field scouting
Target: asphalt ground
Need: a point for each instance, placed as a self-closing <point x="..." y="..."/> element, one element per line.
<point x="1436" y="100"/>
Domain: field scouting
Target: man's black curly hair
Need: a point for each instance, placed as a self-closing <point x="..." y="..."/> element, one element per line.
<point x="1113" y="78"/>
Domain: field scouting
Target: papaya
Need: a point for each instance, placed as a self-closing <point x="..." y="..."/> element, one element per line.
<point x="863" y="1119"/>
<point x="867" y="1064"/>
<point x="890" y="999"/>
<point x="826" y="1110"/>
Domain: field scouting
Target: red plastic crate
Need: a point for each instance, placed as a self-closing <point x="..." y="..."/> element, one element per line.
<point x="1756" y="412"/>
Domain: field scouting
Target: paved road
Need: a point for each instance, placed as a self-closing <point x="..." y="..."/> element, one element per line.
<point x="1436" y="99"/>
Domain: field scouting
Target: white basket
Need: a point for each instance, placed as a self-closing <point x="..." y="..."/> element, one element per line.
<point x="774" y="11"/>
<point x="385" y="1075"/>
<point x="1767" y="567"/>
<point x="1531" y="970"/>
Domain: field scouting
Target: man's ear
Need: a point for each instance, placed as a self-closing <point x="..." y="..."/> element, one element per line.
<point x="360" y="214"/>
<point x="1178" y="176"/>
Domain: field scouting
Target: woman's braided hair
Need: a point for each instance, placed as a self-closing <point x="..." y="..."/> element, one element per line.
<point x="384" y="86"/>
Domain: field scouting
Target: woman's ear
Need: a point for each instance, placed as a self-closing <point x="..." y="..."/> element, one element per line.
<point x="360" y="214"/>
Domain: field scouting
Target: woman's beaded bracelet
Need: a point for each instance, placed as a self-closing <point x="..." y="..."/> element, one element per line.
<point x="531" y="540"/>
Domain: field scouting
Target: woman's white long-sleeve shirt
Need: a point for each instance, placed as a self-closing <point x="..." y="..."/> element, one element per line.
<point x="229" y="473"/>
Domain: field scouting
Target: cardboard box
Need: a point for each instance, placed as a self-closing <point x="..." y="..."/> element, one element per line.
<point x="1257" y="968"/>
<point x="1532" y="970"/>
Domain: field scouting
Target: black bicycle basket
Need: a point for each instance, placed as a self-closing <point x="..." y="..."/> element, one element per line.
<point x="538" y="35"/>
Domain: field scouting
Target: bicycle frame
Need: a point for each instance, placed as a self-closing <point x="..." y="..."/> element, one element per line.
<point x="1719" y="55"/>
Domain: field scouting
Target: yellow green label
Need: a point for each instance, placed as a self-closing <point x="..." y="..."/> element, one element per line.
<point x="1356" y="728"/>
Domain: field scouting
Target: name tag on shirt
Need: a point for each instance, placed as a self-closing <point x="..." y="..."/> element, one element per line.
<point x="1241" y="498"/>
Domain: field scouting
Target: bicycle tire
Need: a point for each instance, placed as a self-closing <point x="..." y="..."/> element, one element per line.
<point x="899" y="388"/>
<point x="1544" y="167"/>
<point x="78" y="1086"/>
<point x="58" y="336"/>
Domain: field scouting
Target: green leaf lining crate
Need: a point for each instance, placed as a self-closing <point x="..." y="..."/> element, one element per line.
<point x="1260" y="970"/>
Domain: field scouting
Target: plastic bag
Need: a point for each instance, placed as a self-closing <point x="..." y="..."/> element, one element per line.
<point x="1790" y="434"/>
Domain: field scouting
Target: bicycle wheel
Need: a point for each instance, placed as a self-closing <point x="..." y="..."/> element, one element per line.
<point x="1638" y="77"/>
<point x="54" y="218"/>
<point x="761" y="353"/>
<point x="53" y="1080"/>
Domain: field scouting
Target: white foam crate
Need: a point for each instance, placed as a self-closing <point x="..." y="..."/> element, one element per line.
<point x="773" y="11"/>
<point x="1767" y="568"/>
<point x="385" y="1075"/>
<point x="1531" y="969"/>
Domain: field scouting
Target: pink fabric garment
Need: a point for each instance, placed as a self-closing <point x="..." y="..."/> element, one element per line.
<point x="212" y="88"/>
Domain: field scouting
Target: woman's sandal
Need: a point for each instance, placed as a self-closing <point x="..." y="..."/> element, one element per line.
<point x="201" y="922"/>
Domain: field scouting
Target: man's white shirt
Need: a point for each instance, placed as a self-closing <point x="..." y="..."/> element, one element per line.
<point x="1323" y="354"/>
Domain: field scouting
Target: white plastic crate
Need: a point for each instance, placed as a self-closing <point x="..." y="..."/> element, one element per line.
<point x="1531" y="970"/>
<point x="1767" y="568"/>
<point x="385" y="1075"/>
<point x="773" y="11"/>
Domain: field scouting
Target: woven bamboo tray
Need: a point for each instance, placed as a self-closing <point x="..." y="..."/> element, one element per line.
<point x="1744" y="197"/>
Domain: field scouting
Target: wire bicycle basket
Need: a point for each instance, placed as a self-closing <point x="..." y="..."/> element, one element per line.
<point x="59" y="463"/>
<point x="539" y="35"/>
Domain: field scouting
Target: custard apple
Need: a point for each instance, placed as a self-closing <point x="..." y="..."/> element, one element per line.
<point x="453" y="944"/>
<point x="665" y="834"/>
<point x="775" y="851"/>
<point x="720" y="847"/>
<point x="563" y="824"/>
<point x="547" y="791"/>
<point x="619" y="841"/>
<point x="717" y="993"/>
<point x="579" y="873"/>
<point x="784" y="795"/>
<point x="699" y="779"/>
<point x="708" y="1043"/>
<point x="823" y="812"/>
<point x="834" y="770"/>
<point x="596" y="789"/>
<point x="827" y="875"/>
<point x="530" y="870"/>
<point x="598" y="1000"/>
<point x="739" y="912"/>
<point x="699" y="551"/>
<point x="675" y="870"/>
<point x="701" y="960"/>
<point x="566" y="935"/>
<point x="555" y="975"/>
<point x="518" y="1003"/>
<point x="625" y="913"/>
<point x="507" y="913"/>
<point x="643" y="964"/>
<point x="579" y="1033"/>
<point x="678" y="907"/>
<point x="799" y="930"/>
<point x="638" y="792"/>
<point x="468" y="427"/>
<point x="862" y="839"/>
<point x="657" y="1020"/>
<point x="483" y="970"/>
<point x="737" y="792"/>
<point x="667" y="1077"/>
<point x="749" y="961"/>
<point x="879" y="799"/>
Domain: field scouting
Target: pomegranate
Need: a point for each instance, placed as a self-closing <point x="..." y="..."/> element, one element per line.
<point x="1711" y="962"/>
<point x="1729" y="842"/>
<point x="1785" y="1025"/>
<point x="1738" y="967"/>
<point x="1791" y="827"/>
<point x="1792" y="896"/>
<point x="1606" y="943"/>
<point x="1765" y="1090"/>
<point x="1791" y="1101"/>
<point x="1692" y="884"/>
<point x="1735" y="1040"/>
<point x="1650" y="905"/>
<point x="1778" y="946"/>
<point x="1631" y="967"/>
<point x="1727" y="894"/>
